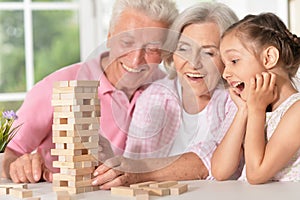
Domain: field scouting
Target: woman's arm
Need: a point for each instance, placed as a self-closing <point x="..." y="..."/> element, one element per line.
<point x="125" y="171"/>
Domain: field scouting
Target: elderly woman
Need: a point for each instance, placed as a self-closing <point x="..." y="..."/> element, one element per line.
<point x="178" y="121"/>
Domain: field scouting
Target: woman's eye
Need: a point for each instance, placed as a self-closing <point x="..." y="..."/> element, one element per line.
<point x="209" y="53"/>
<point x="234" y="61"/>
<point x="182" y="48"/>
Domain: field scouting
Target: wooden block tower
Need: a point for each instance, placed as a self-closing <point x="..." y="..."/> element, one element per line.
<point x="75" y="134"/>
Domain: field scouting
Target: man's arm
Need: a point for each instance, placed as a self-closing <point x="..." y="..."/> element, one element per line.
<point x="9" y="157"/>
<point x="187" y="166"/>
<point x="24" y="168"/>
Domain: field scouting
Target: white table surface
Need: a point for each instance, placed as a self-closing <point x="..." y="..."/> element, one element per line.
<point x="208" y="190"/>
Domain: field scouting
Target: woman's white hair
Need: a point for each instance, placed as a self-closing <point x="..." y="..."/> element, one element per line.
<point x="203" y="12"/>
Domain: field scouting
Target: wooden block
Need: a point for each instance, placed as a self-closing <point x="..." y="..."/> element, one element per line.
<point x="71" y="190"/>
<point x="83" y="145"/>
<point x="77" y="145"/>
<point x="178" y="189"/>
<point x="84" y="83"/>
<point x="66" y="177"/>
<point x="77" y="108"/>
<point x="82" y="171"/>
<point x="69" y="118"/>
<point x="164" y="184"/>
<point x="122" y="191"/>
<point x="85" y="95"/>
<point x="77" y="184"/>
<point x="14" y="185"/>
<point x="63" y="195"/>
<point x="83" y="133"/>
<point x="75" y="139"/>
<point x="60" y="139"/>
<point x="143" y="184"/>
<point x="64" y="90"/>
<point x="75" y="133"/>
<point x="58" y="152"/>
<point x="90" y="89"/>
<point x="72" y="165"/>
<point x="20" y="192"/>
<point x="59" y="84"/>
<point x="141" y="194"/>
<point x="75" y="127"/>
<point x="77" y="158"/>
<point x="4" y="190"/>
<point x="33" y="198"/>
<point x="84" y="120"/>
<point x="67" y="102"/>
<point x="157" y="191"/>
<point x="62" y="109"/>
<point x="83" y="108"/>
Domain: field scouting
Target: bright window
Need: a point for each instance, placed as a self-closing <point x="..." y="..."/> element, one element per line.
<point x="38" y="37"/>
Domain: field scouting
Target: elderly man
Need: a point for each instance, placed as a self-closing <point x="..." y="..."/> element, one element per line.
<point x="137" y="31"/>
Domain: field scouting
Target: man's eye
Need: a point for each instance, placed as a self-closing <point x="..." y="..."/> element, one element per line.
<point x="125" y="43"/>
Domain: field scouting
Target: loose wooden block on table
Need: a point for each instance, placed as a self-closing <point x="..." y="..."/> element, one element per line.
<point x="33" y="198"/>
<point x="20" y="192"/>
<point x="164" y="184"/>
<point x="122" y="191"/>
<point x="74" y="190"/>
<point x="141" y="195"/>
<point x="143" y="184"/>
<point x="157" y="191"/>
<point x="14" y="185"/>
<point x="178" y="189"/>
<point x="63" y="195"/>
<point x="4" y="190"/>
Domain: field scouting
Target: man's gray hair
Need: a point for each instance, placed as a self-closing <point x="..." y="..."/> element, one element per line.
<point x="164" y="11"/>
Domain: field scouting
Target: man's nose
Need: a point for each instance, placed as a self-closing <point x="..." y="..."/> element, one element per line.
<point x="137" y="56"/>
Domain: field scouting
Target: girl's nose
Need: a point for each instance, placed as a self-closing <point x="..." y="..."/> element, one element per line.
<point x="226" y="73"/>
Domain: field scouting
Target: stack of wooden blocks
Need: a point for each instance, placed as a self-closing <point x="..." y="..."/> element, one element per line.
<point x="142" y="191"/>
<point x="75" y="134"/>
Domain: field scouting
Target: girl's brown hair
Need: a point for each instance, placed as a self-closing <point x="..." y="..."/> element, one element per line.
<point x="267" y="29"/>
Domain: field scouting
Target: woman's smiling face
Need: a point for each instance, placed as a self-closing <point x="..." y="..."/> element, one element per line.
<point x="197" y="59"/>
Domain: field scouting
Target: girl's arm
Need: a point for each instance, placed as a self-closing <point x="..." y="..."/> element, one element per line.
<point x="264" y="160"/>
<point x="226" y="157"/>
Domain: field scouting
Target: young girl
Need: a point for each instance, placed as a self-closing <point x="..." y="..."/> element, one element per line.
<point x="261" y="56"/>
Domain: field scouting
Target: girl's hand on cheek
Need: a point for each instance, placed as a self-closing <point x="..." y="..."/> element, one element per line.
<point x="262" y="91"/>
<point x="239" y="102"/>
